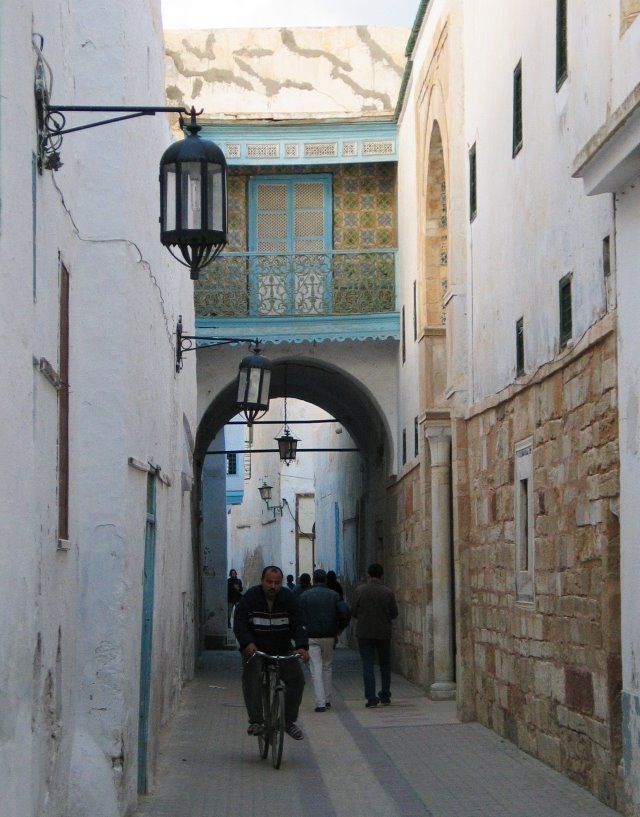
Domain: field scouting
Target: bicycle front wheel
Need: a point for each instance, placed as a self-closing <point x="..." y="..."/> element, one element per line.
<point x="263" y="739"/>
<point x="277" y="726"/>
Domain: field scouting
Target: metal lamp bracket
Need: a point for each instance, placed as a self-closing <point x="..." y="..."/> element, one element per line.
<point x="189" y="343"/>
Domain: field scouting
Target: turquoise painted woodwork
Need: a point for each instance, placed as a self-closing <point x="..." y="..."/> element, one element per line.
<point x="310" y="144"/>
<point x="146" y="645"/>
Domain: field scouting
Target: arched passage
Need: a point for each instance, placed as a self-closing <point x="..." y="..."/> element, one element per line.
<point x="351" y="403"/>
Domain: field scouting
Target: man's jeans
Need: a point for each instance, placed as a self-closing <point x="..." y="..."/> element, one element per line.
<point x="368" y="648"/>
<point x="320" y="659"/>
<point x="291" y="674"/>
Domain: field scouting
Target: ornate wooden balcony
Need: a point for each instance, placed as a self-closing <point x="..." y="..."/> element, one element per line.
<point x="300" y="285"/>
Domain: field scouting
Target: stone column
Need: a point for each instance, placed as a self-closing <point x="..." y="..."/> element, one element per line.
<point x="439" y="437"/>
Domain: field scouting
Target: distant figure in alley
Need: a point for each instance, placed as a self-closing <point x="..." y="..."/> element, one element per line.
<point x="374" y="607"/>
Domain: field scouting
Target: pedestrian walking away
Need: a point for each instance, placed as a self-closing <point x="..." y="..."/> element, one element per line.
<point x="290" y="582"/>
<point x="334" y="584"/>
<point x="326" y="615"/>
<point x="269" y="618"/>
<point x="304" y="583"/>
<point x="234" y="593"/>
<point x="374" y="607"/>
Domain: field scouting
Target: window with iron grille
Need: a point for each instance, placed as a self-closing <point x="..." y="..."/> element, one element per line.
<point x="517" y="109"/>
<point x="524" y="522"/>
<point x="473" y="195"/>
<point x="404" y="446"/>
<point x="416" y="437"/>
<point x="566" y="317"/>
<point x="232" y="464"/>
<point x="519" y="347"/>
<point x="561" y="43"/>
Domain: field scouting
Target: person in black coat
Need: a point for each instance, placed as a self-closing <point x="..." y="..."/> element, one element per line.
<point x="269" y="618"/>
<point x="234" y="593"/>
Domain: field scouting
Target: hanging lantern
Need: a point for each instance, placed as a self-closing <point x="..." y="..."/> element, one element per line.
<point x="193" y="199"/>
<point x="254" y="379"/>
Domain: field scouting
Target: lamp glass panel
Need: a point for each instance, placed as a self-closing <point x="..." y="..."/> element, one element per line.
<point x="169" y="203"/>
<point x="242" y="385"/>
<point x="215" y="205"/>
<point x="254" y="390"/>
<point x="191" y="195"/>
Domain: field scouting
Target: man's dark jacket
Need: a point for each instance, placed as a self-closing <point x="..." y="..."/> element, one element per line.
<point x="272" y="631"/>
<point x="324" y="611"/>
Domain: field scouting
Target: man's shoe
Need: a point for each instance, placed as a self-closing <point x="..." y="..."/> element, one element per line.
<point x="384" y="699"/>
<point x="372" y="702"/>
<point x="320" y="709"/>
<point x="294" y="731"/>
<point x="255" y="729"/>
<point x="328" y="705"/>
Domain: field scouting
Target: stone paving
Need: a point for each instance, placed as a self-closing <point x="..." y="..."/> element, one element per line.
<point x="411" y="759"/>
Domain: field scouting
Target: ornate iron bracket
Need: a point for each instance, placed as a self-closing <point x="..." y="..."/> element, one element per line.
<point x="52" y="121"/>
<point x="189" y="343"/>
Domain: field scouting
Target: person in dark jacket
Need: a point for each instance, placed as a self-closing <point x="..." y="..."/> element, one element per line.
<point x="304" y="584"/>
<point x="234" y="593"/>
<point x="268" y="618"/>
<point x="374" y="607"/>
<point x="326" y="614"/>
<point x="334" y="584"/>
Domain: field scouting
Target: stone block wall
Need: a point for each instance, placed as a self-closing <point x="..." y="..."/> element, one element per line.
<point x="547" y="674"/>
<point x="407" y="563"/>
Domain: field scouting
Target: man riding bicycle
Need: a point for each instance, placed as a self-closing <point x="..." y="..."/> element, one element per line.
<point x="268" y="618"/>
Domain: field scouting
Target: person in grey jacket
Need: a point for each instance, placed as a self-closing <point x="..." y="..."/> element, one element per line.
<point x="374" y="607"/>
<point x="326" y="614"/>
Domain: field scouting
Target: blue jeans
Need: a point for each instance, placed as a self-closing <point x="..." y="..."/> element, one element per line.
<point x="368" y="648"/>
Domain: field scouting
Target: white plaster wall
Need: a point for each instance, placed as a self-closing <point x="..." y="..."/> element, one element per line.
<point x="286" y="72"/>
<point x="628" y="252"/>
<point x="71" y="619"/>
<point x="534" y="223"/>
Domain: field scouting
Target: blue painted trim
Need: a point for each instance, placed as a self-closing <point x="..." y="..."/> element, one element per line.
<point x="287" y="142"/>
<point x="381" y="326"/>
<point x="336" y="518"/>
<point x="235" y="497"/>
<point x="146" y="637"/>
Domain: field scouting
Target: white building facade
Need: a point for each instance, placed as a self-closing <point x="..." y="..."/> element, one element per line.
<point x="97" y="427"/>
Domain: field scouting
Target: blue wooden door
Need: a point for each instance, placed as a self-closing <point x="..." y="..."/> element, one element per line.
<point x="290" y="233"/>
<point x="146" y="650"/>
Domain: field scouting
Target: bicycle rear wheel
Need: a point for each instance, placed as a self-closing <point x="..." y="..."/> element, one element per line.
<point x="277" y="726"/>
<point x="263" y="739"/>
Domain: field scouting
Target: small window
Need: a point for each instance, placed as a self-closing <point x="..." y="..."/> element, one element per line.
<point x="403" y="341"/>
<point x="232" y="464"/>
<point x="519" y="347"/>
<point x="517" y="109"/>
<point x="415" y="312"/>
<point x="416" y="437"/>
<point x="561" y="43"/>
<point x="404" y="446"/>
<point x="473" y="195"/>
<point x="566" y="317"/>
<point x="606" y="256"/>
<point x="524" y="522"/>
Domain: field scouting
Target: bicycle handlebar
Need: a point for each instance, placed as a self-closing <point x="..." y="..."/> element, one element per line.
<point x="275" y="657"/>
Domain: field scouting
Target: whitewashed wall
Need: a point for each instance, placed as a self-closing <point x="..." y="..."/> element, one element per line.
<point x="71" y="618"/>
<point x="533" y="223"/>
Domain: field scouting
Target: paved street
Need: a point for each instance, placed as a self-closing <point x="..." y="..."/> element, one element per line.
<point x="412" y="759"/>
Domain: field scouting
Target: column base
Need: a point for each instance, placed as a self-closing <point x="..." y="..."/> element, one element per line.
<point x="442" y="691"/>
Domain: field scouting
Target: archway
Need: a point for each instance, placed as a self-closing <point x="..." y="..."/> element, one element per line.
<point x="343" y="397"/>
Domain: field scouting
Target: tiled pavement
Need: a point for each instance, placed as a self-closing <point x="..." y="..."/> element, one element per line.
<point x="411" y="759"/>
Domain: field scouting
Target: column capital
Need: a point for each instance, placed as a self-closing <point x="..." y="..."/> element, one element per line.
<point x="439" y="436"/>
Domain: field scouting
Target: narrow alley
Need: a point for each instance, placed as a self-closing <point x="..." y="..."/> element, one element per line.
<point x="412" y="759"/>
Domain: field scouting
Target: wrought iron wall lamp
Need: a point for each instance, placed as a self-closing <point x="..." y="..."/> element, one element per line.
<point x="287" y="442"/>
<point x="265" y="493"/>
<point x="193" y="171"/>
<point x="254" y="375"/>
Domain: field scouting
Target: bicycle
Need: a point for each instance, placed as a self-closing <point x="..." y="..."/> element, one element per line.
<point x="273" y="688"/>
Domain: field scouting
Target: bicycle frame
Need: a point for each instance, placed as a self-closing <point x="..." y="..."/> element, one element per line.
<point x="273" y="692"/>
